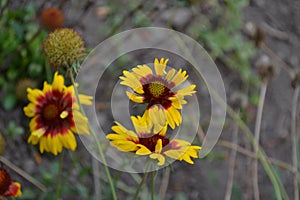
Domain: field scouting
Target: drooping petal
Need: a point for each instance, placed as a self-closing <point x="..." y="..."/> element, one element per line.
<point x="135" y="98"/>
<point x="161" y="159"/>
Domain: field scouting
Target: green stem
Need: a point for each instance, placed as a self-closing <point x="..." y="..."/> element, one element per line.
<point x="59" y="179"/>
<point x="140" y="186"/>
<point x="152" y="184"/>
<point x="295" y="141"/>
<point x="111" y="184"/>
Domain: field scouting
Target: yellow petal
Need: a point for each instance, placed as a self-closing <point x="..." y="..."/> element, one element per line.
<point x="140" y="124"/>
<point x="159" y="157"/>
<point x="38" y="133"/>
<point x="33" y="94"/>
<point x="124" y="145"/>
<point x="175" y="102"/>
<point x="133" y="97"/>
<point x="188" y="90"/>
<point x="160" y="66"/>
<point x="157" y="116"/>
<point x="131" y="81"/>
<point x="158" y="146"/>
<point x="84" y="99"/>
<point x="29" y="110"/>
<point x="180" y="77"/>
<point x="175" y="115"/>
<point x="142" y="150"/>
<point x="58" y="82"/>
<point x="81" y="123"/>
<point x="170" y="74"/>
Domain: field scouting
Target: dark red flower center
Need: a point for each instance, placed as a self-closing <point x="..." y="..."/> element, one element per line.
<point x="150" y="142"/>
<point x="55" y="110"/>
<point x="50" y="112"/>
<point x="158" y="91"/>
<point x="5" y="181"/>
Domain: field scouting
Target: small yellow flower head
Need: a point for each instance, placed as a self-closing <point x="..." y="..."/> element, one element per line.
<point x="63" y="47"/>
<point x="8" y="188"/>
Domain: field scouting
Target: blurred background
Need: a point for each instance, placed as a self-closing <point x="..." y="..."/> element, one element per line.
<point x="255" y="45"/>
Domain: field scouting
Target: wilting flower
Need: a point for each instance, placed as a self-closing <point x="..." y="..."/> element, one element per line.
<point x="63" y="47"/>
<point x="158" y="91"/>
<point x="52" y="18"/>
<point x="54" y="111"/>
<point x="155" y="144"/>
<point x="8" y="188"/>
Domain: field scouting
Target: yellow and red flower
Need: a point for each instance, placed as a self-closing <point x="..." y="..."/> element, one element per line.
<point x="54" y="111"/>
<point x="8" y="188"/>
<point x="155" y="144"/>
<point x="158" y="91"/>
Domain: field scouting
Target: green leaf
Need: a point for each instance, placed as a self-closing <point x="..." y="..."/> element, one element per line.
<point x="9" y="101"/>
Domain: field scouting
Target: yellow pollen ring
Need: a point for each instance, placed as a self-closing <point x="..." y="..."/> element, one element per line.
<point x="64" y="114"/>
<point x="156" y="89"/>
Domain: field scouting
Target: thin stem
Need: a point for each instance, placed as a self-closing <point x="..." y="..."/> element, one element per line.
<point x="140" y="186"/>
<point x="260" y="154"/>
<point x="152" y="184"/>
<point x="23" y="174"/>
<point x="96" y="175"/>
<point x="294" y="141"/>
<point x="231" y="164"/>
<point x="164" y="183"/>
<point x="111" y="184"/>
<point x="256" y="139"/>
<point x="281" y="63"/>
<point x="59" y="178"/>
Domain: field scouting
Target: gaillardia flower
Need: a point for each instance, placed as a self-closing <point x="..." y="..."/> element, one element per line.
<point x="63" y="47"/>
<point x="158" y="91"/>
<point x="146" y="142"/>
<point x="8" y="188"/>
<point x="52" y="18"/>
<point x="54" y="111"/>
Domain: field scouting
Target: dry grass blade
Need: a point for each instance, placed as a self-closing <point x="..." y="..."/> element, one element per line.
<point x="23" y="174"/>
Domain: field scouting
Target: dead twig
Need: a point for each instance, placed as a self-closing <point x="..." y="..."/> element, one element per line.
<point x="23" y="174"/>
<point x="251" y="154"/>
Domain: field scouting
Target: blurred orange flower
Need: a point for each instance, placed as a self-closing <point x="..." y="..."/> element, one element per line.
<point x="52" y="18"/>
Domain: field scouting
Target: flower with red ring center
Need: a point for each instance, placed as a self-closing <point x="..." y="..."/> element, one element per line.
<point x="158" y="91"/>
<point x="54" y="111"/>
<point x="144" y="141"/>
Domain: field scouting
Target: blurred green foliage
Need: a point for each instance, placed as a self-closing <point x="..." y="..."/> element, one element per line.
<point x="21" y="46"/>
